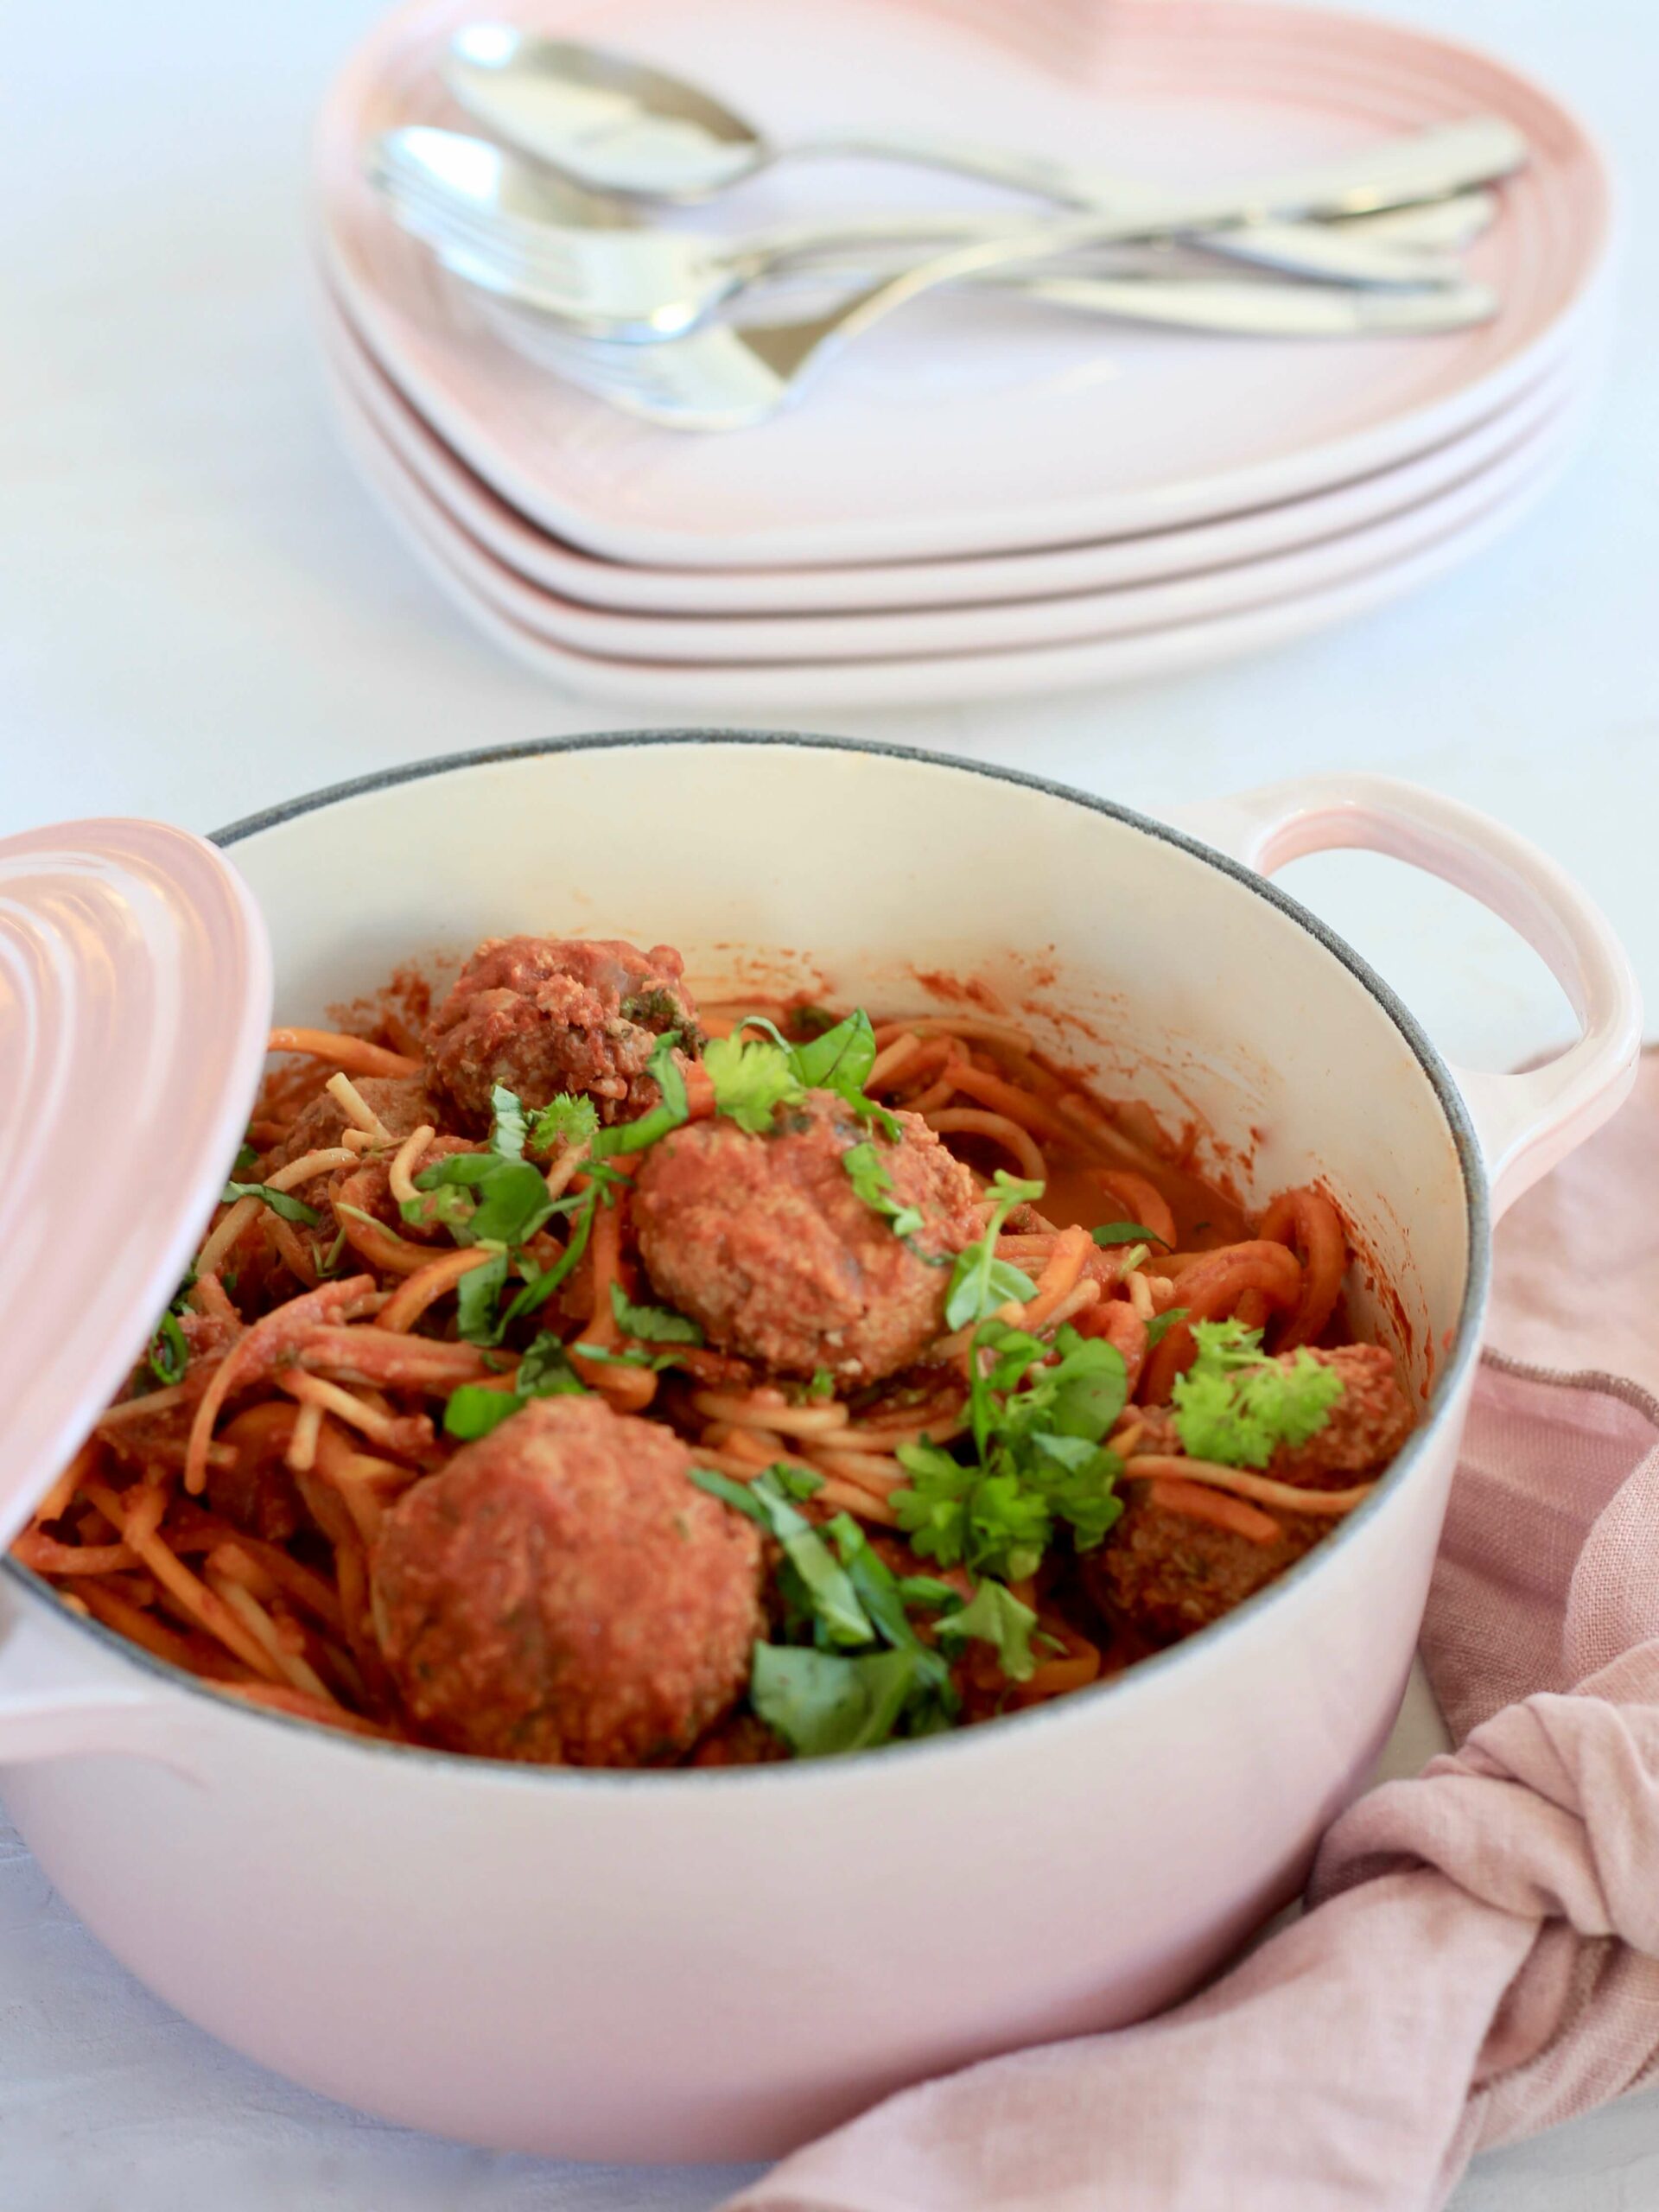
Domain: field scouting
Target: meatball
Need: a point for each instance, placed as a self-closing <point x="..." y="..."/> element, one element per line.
<point x="560" y="1592"/>
<point x="546" y="1015"/>
<point x="399" y="1100"/>
<point x="1167" y="1574"/>
<point x="766" y="1242"/>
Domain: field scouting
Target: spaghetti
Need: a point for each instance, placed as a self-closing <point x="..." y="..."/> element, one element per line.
<point x="227" y="1513"/>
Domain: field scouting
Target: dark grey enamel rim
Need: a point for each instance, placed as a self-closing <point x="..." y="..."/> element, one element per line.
<point x="1062" y="1711"/>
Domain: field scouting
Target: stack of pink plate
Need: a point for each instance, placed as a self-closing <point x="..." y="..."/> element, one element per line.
<point x="981" y="496"/>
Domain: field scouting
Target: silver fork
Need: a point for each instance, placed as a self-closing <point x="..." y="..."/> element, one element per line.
<point x="734" y="376"/>
<point x="479" y="205"/>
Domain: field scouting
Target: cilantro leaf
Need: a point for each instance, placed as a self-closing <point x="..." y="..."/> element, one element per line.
<point x="482" y="1197"/>
<point x="823" y="1585"/>
<point x="543" y="1372"/>
<point x="1160" y="1325"/>
<point x="872" y="1183"/>
<point x="508" y="1124"/>
<point x="1126" y="1232"/>
<point x="979" y="1282"/>
<point x="653" y="1324"/>
<point x="1039" y="1416"/>
<point x="168" y="1354"/>
<point x="280" y="1202"/>
<point x="752" y="1078"/>
<point x="1236" y="1406"/>
<point x="994" y="1616"/>
<point x="838" y="1059"/>
<point x="478" y="1296"/>
<point x="823" y="1703"/>
<point x="571" y="1118"/>
<point x="670" y="1110"/>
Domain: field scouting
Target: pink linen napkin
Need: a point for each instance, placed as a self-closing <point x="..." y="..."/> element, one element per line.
<point x="1482" y="1958"/>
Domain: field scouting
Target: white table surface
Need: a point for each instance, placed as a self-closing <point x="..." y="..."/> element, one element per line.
<point x="200" y="613"/>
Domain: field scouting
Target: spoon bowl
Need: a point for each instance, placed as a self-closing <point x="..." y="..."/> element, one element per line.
<point x="611" y="123"/>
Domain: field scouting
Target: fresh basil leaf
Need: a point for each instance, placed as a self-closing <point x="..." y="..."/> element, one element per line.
<point x="1126" y="1232"/>
<point x="822" y="1384"/>
<point x="280" y="1202"/>
<point x="653" y="1324"/>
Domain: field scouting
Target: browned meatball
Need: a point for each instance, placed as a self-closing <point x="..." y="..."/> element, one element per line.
<point x="399" y="1100"/>
<point x="765" y="1242"/>
<point x="562" y="1593"/>
<point x="1167" y="1574"/>
<point x="545" y="1015"/>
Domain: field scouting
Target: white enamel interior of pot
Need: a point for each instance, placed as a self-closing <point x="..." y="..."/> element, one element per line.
<point x="852" y="874"/>
<point x="698" y="1965"/>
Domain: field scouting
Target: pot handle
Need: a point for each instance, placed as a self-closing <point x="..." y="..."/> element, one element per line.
<point x="61" y="1695"/>
<point x="1526" y="1123"/>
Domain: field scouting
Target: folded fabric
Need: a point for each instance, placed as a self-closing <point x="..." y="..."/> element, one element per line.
<point x="1483" y="1956"/>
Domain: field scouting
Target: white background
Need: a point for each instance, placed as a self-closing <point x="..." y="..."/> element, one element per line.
<point x="200" y="613"/>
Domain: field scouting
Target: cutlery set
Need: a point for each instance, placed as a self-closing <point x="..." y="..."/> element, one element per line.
<point x="1062" y="423"/>
<point x="550" y="220"/>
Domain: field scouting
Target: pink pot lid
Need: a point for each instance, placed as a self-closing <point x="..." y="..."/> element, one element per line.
<point x="135" y="1000"/>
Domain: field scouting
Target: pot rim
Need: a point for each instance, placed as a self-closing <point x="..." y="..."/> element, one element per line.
<point x="1057" y="1713"/>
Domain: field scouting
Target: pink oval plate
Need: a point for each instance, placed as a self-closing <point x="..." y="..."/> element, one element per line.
<point x="960" y="430"/>
<point x="135" y="1000"/>
<point x="560" y="568"/>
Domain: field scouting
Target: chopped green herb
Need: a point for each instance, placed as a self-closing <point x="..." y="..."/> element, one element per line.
<point x="979" y="1282"/>
<point x="510" y="1124"/>
<point x="653" y="1324"/>
<point x="1236" y="1405"/>
<point x="872" y="1183"/>
<point x="1160" y="1325"/>
<point x="824" y="1704"/>
<point x="822" y="1586"/>
<point x="656" y="1009"/>
<point x="326" y="1263"/>
<point x="280" y="1202"/>
<point x="996" y="1616"/>
<point x="751" y="1079"/>
<point x="671" y="1109"/>
<point x="572" y="1118"/>
<point x="1039" y="1416"/>
<point x="543" y="1372"/>
<point x="170" y="1354"/>
<point x="1126" y="1232"/>
<point x="822" y="1384"/>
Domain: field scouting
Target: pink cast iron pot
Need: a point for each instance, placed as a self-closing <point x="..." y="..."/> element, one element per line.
<point x="715" y="1965"/>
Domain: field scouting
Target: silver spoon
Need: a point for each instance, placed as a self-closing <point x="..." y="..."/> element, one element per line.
<point x="618" y="126"/>
<point x="460" y="192"/>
